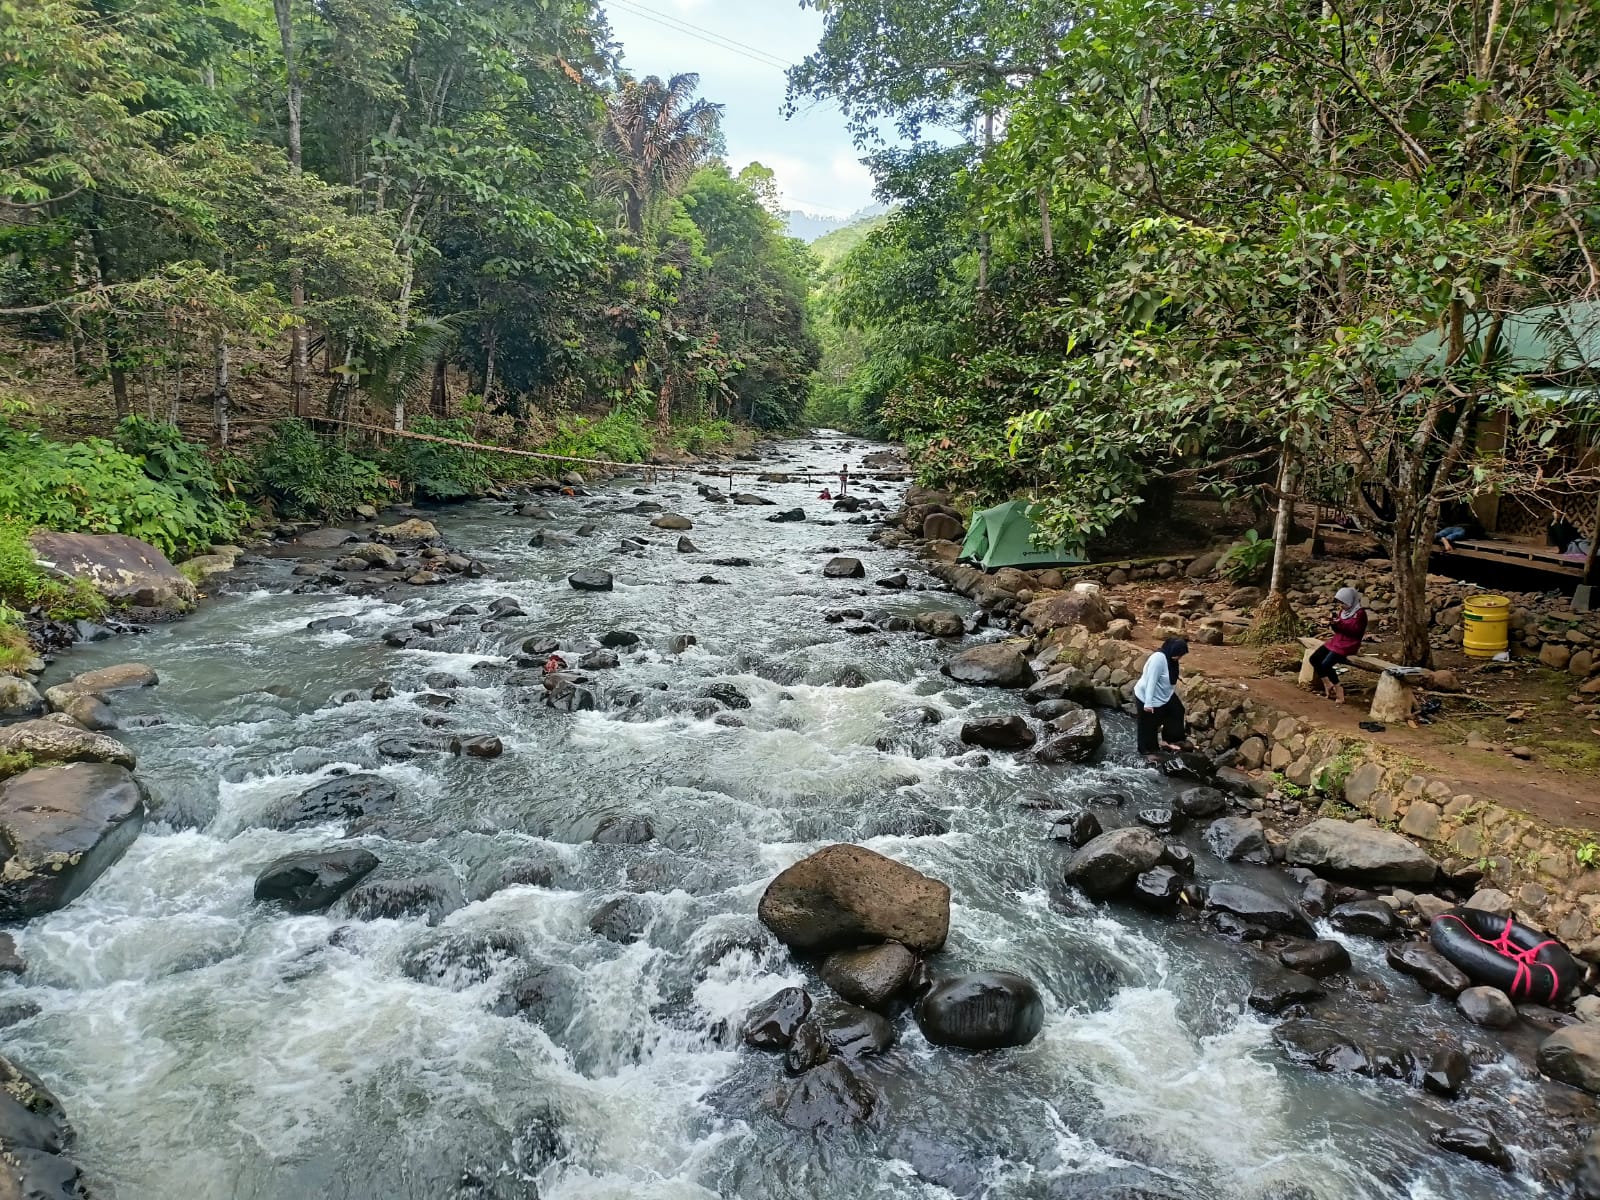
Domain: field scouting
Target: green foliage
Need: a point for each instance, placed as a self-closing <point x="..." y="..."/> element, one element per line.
<point x="434" y="471"/>
<point x="1247" y="561"/>
<point x="1588" y="854"/>
<point x="617" y="437"/>
<point x="25" y="585"/>
<point x="159" y="489"/>
<point x="20" y="575"/>
<point x="306" y="475"/>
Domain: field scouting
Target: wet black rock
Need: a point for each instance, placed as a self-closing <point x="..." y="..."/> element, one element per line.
<point x="1237" y="839"/>
<point x="732" y="562"/>
<point x="590" y="580"/>
<point x="1488" y="1007"/>
<point x="1318" y="959"/>
<point x="831" y="1096"/>
<point x="342" y="798"/>
<point x="1257" y="908"/>
<point x="11" y="962"/>
<point x="1194" y="768"/>
<point x="1447" y="1073"/>
<point x="1165" y="821"/>
<point x="896" y="583"/>
<point x="14" y="1012"/>
<point x="1010" y="732"/>
<point x="1078" y="830"/>
<point x="1111" y="862"/>
<point x="788" y="516"/>
<point x="807" y="1049"/>
<point x="750" y="498"/>
<point x="852" y="1031"/>
<point x="1201" y="802"/>
<point x="441" y="681"/>
<point x="461" y="960"/>
<point x="1474" y="1142"/>
<point x="1276" y="989"/>
<point x="619" y="639"/>
<point x="1319" y="898"/>
<point x="771" y="1025"/>
<point x="330" y="624"/>
<point x="599" y="660"/>
<point x="628" y="830"/>
<point x="1159" y="888"/>
<point x="1179" y="857"/>
<point x="505" y="607"/>
<point x="726" y="694"/>
<point x="903" y="825"/>
<point x="31" y="1119"/>
<point x="1323" y="1047"/>
<point x="624" y="919"/>
<point x="432" y="897"/>
<point x="476" y="745"/>
<point x="306" y="883"/>
<point x="870" y="976"/>
<point x="1428" y="967"/>
<point x="1050" y="710"/>
<point x="1074" y="737"/>
<point x="1367" y="918"/>
<point x="844" y="568"/>
<point x="982" y="1011"/>
<point x="850" y="677"/>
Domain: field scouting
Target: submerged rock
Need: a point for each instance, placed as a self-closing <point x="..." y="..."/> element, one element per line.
<point x="61" y="827"/>
<point x="852" y="1031"/>
<point x="432" y="897"/>
<point x="343" y="798"/>
<point x="1010" y="732"/>
<point x="306" y="883"/>
<point x="1111" y="862"/>
<point x="590" y="579"/>
<point x="983" y="1011"/>
<point x="771" y="1024"/>
<point x="1074" y="737"/>
<point x="830" y="1096"/>
<point x="48" y="740"/>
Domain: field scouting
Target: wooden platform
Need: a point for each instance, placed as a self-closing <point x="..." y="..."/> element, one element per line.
<point x="1517" y="554"/>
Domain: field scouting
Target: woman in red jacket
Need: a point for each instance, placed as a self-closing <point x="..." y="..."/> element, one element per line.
<point x="1349" y="627"/>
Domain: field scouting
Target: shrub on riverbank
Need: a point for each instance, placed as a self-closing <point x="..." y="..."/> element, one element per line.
<point x="149" y="483"/>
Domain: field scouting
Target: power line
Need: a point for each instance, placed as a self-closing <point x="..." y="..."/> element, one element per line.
<point x="700" y="33"/>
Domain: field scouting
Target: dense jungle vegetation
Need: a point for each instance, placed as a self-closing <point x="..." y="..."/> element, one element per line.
<point x="1252" y="246"/>
<point x="360" y="194"/>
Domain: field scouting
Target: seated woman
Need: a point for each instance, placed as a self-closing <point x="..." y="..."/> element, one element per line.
<point x="1162" y="724"/>
<point x="1349" y="624"/>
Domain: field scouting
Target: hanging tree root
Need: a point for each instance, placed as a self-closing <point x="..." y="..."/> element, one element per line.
<point x="1275" y="622"/>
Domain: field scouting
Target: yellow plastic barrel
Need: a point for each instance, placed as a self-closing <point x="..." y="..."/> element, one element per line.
<point x="1486" y="621"/>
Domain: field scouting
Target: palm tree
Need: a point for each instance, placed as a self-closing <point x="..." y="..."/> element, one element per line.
<point x="660" y="135"/>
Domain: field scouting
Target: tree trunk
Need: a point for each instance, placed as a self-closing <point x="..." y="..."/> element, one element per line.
<point x="984" y="250"/>
<point x="113" y="330"/>
<point x="299" y="366"/>
<point x="490" y="343"/>
<point x="664" y="403"/>
<point x="439" y="401"/>
<point x="1275" y="618"/>
<point x="219" y="390"/>
<point x="1044" y="224"/>
<point x="1410" y="547"/>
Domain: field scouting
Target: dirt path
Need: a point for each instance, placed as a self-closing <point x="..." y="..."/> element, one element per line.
<point x="1563" y="797"/>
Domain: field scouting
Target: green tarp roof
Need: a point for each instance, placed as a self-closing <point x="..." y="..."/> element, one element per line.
<point x="1002" y="536"/>
<point x="1549" y="341"/>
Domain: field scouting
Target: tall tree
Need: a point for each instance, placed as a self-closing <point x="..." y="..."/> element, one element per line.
<point x="660" y="135"/>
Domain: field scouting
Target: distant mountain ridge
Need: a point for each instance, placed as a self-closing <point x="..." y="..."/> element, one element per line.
<point x="808" y="227"/>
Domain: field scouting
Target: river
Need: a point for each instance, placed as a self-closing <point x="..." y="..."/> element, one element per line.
<point x="208" y="1047"/>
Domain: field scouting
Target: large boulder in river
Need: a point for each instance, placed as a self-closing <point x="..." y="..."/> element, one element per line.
<point x="1073" y="737"/>
<point x="674" y="521"/>
<point x="1362" y="853"/>
<point x="1057" y="610"/>
<point x="844" y="896"/>
<point x="344" y="798"/>
<point x="19" y="700"/>
<point x="844" y="568"/>
<point x="412" y="530"/>
<point x="60" y="827"/>
<point x="1111" y="862"/>
<point x="938" y="623"/>
<point x="1572" y="1056"/>
<point x="590" y="579"/>
<point x="306" y="883"/>
<point x="1010" y="732"/>
<point x="35" y="1133"/>
<point x="126" y="571"/>
<point x="981" y="1012"/>
<point x="47" y="740"/>
<point x="994" y="664"/>
<point x="121" y="677"/>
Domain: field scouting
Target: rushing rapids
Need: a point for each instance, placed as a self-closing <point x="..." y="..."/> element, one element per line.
<point x="555" y="1010"/>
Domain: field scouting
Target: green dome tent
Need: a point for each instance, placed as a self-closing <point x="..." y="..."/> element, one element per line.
<point x="1002" y="536"/>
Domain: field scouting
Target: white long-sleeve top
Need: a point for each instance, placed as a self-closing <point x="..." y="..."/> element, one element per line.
<point x="1155" y="686"/>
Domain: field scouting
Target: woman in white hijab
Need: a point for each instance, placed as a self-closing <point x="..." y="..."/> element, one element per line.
<point x="1349" y="624"/>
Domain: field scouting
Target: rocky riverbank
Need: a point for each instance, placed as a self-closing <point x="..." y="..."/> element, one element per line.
<point x="1376" y="850"/>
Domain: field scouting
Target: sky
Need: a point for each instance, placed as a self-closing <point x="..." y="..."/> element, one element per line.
<point x="817" y="166"/>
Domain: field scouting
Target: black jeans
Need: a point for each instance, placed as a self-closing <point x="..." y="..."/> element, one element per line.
<point x="1167" y="723"/>
<point x="1324" y="662"/>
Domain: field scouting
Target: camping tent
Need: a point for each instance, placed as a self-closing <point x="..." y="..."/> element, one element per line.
<point x="1002" y="536"/>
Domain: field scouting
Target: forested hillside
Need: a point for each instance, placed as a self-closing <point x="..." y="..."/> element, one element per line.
<point x="1147" y="246"/>
<point x="360" y="209"/>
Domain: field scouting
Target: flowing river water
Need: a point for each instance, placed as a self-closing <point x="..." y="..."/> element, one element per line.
<point x="209" y="1047"/>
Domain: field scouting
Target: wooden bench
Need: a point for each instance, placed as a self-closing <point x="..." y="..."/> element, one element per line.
<point x="1395" y="698"/>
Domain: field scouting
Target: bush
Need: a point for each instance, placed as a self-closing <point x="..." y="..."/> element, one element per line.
<point x="309" y="476"/>
<point x="156" y="487"/>
<point x="438" y="472"/>
<point x="1248" y="561"/>
<point x="15" y="651"/>
<point x="617" y="437"/>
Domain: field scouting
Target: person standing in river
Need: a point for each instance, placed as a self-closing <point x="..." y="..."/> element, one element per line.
<point x="1162" y="722"/>
<point x="1349" y="623"/>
